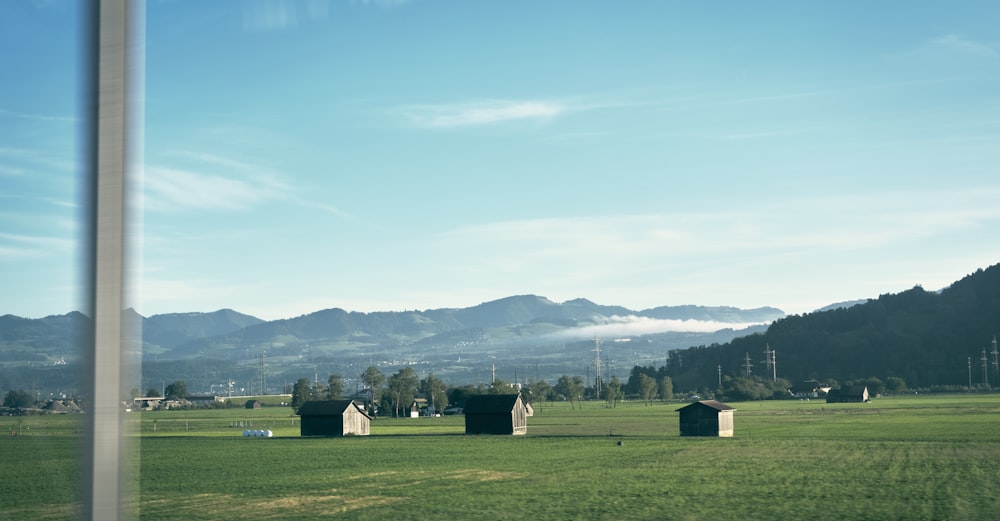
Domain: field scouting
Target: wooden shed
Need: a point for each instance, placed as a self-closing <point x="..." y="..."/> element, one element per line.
<point x="253" y="404"/>
<point x="856" y="394"/>
<point x="496" y="414"/>
<point x="333" y="418"/>
<point x="706" y="418"/>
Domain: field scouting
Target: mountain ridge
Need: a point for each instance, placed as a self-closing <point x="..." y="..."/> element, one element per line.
<point x="223" y="332"/>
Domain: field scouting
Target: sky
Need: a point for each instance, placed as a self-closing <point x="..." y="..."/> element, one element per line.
<point x="420" y="154"/>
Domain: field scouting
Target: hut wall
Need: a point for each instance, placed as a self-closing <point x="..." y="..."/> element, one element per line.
<point x="488" y="424"/>
<point x="519" y="419"/>
<point x="355" y="422"/>
<point x="321" y="426"/>
<point x="725" y="424"/>
<point x="698" y="421"/>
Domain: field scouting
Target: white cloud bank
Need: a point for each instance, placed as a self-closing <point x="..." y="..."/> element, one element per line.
<point x="632" y="325"/>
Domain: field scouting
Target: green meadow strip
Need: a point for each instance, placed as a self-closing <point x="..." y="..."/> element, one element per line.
<point x="895" y="458"/>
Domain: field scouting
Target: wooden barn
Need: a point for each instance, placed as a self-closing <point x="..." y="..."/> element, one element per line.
<point x="333" y="418"/>
<point x="253" y="404"/>
<point x="496" y="414"/>
<point x="706" y="418"/>
<point x="856" y="394"/>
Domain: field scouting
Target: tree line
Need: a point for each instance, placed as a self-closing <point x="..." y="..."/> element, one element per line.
<point x="394" y="394"/>
<point x="928" y="339"/>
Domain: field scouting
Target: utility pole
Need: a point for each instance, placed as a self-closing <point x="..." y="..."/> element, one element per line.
<point x="262" y="382"/>
<point x="996" y="361"/>
<point x="769" y="359"/>
<point x="720" y="375"/>
<point x="970" y="373"/>
<point x="747" y="365"/>
<point x="986" y="379"/>
<point x="597" y="366"/>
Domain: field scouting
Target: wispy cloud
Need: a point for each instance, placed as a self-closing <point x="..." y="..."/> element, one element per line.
<point x="959" y="44"/>
<point x="270" y="16"/>
<point x="37" y="117"/>
<point x="19" y="247"/>
<point x="36" y="158"/>
<point x="610" y="254"/>
<point x="170" y="188"/>
<point x="213" y="182"/>
<point x="381" y="3"/>
<point x="479" y="113"/>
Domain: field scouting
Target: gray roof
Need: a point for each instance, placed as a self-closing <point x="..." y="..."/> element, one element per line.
<point x="717" y="405"/>
<point x="327" y="408"/>
<point x="491" y="403"/>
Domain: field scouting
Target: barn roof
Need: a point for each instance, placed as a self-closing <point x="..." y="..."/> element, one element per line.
<point x="713" y="404"/>
<point x="327" y="408"/>
<point x="491" y="403"/>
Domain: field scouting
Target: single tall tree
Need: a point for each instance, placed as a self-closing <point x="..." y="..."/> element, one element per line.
<point x="436" y="391"/>
<point x="335" y="387"/>
<point x="402" y="388"/>
<point x="176" y="391"/>
<point x="18" y="399"/>
<point x="571" y="388"/>
<point x="647" y="387"/>
<point x="666" y="388"/>
<point x="373" y="380"/>
<point x="612" y="391"/>
<point x="301" y="392"/>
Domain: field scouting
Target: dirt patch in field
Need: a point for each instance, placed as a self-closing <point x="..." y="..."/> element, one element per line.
<point x="483" y="475"/>
<point x="327" y="504"/>
<point x="375" y="474"/>
<point x="416" y="477"/>
<point x="280" y="508"/>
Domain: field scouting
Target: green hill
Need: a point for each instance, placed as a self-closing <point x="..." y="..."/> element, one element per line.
<point x="927" y="338"/>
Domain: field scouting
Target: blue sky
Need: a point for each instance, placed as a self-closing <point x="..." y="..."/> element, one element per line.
<point x="391" y="155"/>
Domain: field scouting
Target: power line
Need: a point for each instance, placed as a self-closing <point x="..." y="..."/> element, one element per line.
<point x="769" y="359"/>
<point x="597" y="365"/>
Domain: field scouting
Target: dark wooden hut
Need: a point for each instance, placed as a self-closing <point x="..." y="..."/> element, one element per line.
<point x="855" y="394"/>
<point x="496" y="414"/>
<point x="333" y="418"/>
<point x="706" y="418"/>
<point x="253" y="404"/>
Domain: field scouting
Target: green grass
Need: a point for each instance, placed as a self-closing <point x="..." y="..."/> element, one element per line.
<point x="899" y="458"/>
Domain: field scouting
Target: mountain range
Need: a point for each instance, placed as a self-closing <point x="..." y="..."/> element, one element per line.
<point x="929" y="338"/>
<point x="524" y="333"/>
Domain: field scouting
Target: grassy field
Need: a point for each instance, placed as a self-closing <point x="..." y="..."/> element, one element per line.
<point x="896" y="458"/>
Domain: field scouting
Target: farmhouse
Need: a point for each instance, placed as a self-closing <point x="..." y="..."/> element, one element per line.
<point x="496" y="414"/>
<point x="856" y="394"/>
<point x="333" y="418"/>
<point x="706" y="418"/>
<point x="147" y="402"/>
<point x="809" y="389"/>
<point x="205" y="400"/>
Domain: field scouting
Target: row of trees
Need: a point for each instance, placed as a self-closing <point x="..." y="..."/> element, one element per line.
<point x="18" y="399"/>
<point x="396" y="392"/>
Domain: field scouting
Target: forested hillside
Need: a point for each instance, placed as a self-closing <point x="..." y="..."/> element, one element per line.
<point x="927" y="338"/>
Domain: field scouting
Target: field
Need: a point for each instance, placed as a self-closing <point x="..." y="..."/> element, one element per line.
<point x="896" y="458"/>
